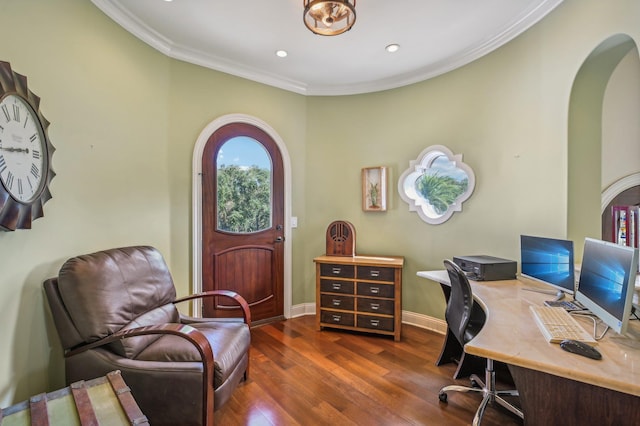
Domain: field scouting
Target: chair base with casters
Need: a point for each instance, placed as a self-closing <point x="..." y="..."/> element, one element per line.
<point x="490" y="393"/>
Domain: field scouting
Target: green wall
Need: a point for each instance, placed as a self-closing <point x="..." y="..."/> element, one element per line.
<point x="125" y="120"/>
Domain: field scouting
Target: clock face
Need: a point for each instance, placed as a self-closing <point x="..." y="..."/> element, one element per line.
<point x="22" y="149"/>
<point x="25" y="153"/>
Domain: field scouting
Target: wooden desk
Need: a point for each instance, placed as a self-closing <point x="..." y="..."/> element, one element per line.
<point x="555" y="387"/>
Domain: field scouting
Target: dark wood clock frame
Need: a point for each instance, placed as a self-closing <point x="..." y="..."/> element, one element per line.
<point x="15" y="214"/>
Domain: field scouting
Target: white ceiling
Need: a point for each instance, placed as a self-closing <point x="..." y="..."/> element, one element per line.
<point x="240" y="37"/>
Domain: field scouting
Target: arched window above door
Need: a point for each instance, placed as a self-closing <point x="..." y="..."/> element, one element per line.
<point x="244" y="186"/>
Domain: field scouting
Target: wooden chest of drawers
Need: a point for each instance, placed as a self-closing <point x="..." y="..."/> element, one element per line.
<point x="362" y="293"/>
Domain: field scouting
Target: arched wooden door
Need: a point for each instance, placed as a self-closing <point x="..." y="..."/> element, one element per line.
<point x="243" y="221"/>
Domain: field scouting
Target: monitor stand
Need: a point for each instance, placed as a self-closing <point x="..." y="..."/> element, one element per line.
<point x="571" y="306"/>
<point x="558" y="293"/>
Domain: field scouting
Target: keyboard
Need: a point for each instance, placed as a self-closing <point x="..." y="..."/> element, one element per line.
<point x="556" y="325"/>
<point x="566" y="304"/>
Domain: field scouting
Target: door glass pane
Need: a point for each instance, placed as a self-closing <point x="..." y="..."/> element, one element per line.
<point x="244" y="186"/>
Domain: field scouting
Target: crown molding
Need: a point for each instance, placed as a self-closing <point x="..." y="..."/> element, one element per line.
<point x="166" y="46"/>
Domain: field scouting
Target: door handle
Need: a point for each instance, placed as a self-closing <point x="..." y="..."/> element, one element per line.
<point x="278" y="240"/>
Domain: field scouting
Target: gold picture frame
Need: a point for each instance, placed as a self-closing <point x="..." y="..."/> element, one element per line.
<point x="374" y="189"/>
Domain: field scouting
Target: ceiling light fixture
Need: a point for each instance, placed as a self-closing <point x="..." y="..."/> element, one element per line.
<point x="281" y="53"/>
<point x="329" y="17"/>
<point x="392" y="48"/>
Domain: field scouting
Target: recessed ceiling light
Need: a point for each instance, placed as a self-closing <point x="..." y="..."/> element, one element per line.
<point x="281" y="53"/>
<point x="392" y="48"/>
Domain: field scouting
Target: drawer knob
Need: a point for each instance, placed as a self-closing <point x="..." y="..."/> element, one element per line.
<point x="375" y="306"/>
<point x="375" y="322"/>
<point x="336" y="302"/>
<point x="336" y="271"/>
<point x="374" y="290"/>
<point x="336" y="286"/>
<point x="336" y="318"/>
<point x="375" y="273"/>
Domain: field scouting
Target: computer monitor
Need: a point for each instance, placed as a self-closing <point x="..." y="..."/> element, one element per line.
<point x="607" y="280"/>
<point x="548" y="260"/>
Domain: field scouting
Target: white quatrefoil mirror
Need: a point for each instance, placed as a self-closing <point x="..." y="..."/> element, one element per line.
<point x="436" y="184"/>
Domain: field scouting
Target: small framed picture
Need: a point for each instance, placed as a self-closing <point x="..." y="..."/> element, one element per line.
<point x="374" y="189"/>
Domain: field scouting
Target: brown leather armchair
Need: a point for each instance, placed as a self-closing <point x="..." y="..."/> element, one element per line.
<point x="115" y="310"/>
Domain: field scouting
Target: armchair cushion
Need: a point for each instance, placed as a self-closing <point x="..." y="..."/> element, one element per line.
<point x="132" y="346"/>
<point x="229" y="342"/>
<point x="107" y="291"/>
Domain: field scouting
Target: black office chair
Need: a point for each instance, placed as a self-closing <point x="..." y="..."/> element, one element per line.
<point x="464" y="328"/>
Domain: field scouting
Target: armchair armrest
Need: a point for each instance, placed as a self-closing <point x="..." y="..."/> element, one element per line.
<point x="246" y="312"/>
<point x="195" y="337"/>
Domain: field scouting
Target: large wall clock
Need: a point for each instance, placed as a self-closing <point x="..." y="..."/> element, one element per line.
<point x="25" y="153"/>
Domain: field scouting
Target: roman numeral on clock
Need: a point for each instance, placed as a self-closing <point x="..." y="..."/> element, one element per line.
<point x="35" y="171"/>
<point x="10" y="180"/>
<point x="5" y="110"/>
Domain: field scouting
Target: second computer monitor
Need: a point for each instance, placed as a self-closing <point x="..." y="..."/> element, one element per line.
<point x="607" y="281"/>
<point x="548" y="260"/>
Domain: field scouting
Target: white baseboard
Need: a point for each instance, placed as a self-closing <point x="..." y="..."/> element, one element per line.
<point x="419" y="320"/>
<point x="303" y="309"/>
<point x="424" y="321"/>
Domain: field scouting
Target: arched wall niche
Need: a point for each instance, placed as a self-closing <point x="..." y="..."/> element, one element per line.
<point x="585" y="192"/>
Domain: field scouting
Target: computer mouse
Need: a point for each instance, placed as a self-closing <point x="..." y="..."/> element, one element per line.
<point x="580" y="348"/>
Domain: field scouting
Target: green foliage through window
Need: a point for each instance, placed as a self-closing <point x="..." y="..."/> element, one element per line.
<point x="244" y="199"/>
<point x="440" y="191"/>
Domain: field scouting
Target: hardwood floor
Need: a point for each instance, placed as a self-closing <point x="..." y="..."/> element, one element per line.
<point x="300" y="376"/>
